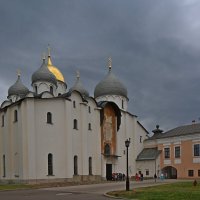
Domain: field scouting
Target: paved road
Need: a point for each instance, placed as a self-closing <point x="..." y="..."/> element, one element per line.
<point x="83" y="192"/>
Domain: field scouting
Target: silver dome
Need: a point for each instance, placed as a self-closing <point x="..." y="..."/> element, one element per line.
<point x="110" y="85"/>
<point x="79" y="87"/>
<point x="18" y="88"/>
<point x="43" y="74"/>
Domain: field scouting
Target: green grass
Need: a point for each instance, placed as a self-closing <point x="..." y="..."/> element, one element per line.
<point x="14" y="186"/>
<point x="174" y="191"/>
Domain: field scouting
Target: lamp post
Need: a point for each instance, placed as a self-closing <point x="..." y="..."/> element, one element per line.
<point x="127" y="143"/>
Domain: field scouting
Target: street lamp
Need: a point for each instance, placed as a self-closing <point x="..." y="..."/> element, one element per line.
<point x="127" y="143"/>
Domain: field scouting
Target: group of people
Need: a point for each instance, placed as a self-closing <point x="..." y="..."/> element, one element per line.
<point x="118" y="177"/>
<point x="139" y="176"/>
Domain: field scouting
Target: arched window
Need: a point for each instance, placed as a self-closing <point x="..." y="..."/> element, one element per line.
<point x="51" y="89"/>
<point x="89" y="126"/>
<point x="89" y="109"/>
<point x="2" y="122"/>
<point x="50" y="164"/>
<point x="36" y="89"/>
<point x="74" y="104"/>
<point x="49" y="118"/>
<point x="15" y="116"/>
<point x="75" y="124"/>
<point x="75" y="165"/>
<point x="107" y="149"/>
<point x="90" y="165"/>
<point x="4" y="166"/>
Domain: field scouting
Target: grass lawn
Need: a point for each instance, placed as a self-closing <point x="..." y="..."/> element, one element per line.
<point x="173" y="191"/>
<point x="14" y="186"/>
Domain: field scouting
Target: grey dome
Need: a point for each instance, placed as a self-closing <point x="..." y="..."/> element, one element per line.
<point x="43" y="74"/>
<point x="110" y="85"/>
<point x="79" y="87"/>
<point x="18" y="88"/>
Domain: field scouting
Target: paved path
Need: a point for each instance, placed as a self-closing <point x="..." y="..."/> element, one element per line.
<point x="83" y="192"/>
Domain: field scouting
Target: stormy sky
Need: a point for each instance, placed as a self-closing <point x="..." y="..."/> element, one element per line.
<point x="154" y="45"/>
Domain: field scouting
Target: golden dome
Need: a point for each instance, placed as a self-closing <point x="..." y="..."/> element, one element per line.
<point x="54" y="70"/>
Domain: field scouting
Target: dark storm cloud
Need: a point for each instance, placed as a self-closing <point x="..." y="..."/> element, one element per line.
<point x="154" y="46"/>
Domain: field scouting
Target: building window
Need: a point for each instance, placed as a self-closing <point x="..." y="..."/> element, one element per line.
<point x="89" y="126"/>
<point x="75" y="165"/>
<point x="140" y="139"/>
<point x="196" y="149"/>
<point x="74" y="104"/>
<point x="15" y="116"/>
<point x="4" y="166"/>
<point x="199" y="172"/>
<point x="107" y="149"/>
<point x="177" y="152"/>
<point x="190" y="173"/>
<point x="49" y="118"/>
<point x="75" y="124"/>
<point x="89" y="109"/>
<point x="167" y="152"/>
<point x="2" y="121"/>
<point x="147" y="172"/>
<point x="36" y="89"/>
<point x="90" y="165"/>
<point x="51" y="89"/>
<point x="50" y="164"/>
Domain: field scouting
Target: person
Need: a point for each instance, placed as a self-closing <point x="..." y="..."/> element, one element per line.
<point x="141" y="177"/>
<point x="136" y="176"/>
<point x="162" y="176"/>
<point x="155" y="177"/>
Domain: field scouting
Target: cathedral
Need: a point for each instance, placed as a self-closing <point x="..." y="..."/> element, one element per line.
<point x="55" y="133"/>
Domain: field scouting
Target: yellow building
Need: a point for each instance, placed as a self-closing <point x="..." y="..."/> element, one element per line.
<point x="176" y="153"/>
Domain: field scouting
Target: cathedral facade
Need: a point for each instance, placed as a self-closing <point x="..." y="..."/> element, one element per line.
<point x="52" y="133"/>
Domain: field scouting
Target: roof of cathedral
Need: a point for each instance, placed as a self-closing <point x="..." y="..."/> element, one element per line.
<point x="110" y="85"/>
<point x="79" y="87"/>
<point x="179" y="131"/>
<point x="54" y="70"/>
<point x="148" y="154"/>
<point x="44" y="74"/>
<point x="18" y="88"/>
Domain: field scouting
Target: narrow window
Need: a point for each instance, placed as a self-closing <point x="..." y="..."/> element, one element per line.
<point x="36" y="89"/>
<point x="90" y="165"/>
<point x="74" y="104"/>
<point x="190" y="173"/>
<point x="15" y="116"/>
<point x="122" y="104"/>
<point x="89" y="126"/>
<point x="4" y="166"/>
<point x="197" y="150"/>
<point x="75" y="124"/>
<point x="140" y="139"/>
<point x="49" y="118"/>
<point x="167" y="152"/>
<point x="177" y="152"/>
<point x="51" y="89"/>
<point x="89" y="109"/>
<point x="199" y="172"/>
<point x="107" y="149"/>
<point x="50" y="164"/>
<point x="75" y="165"/>
<point x="2" y="121"/>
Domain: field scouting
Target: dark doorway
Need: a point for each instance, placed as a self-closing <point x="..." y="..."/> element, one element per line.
<point x="169" y="172"/>
<point x="109" y="172"/>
